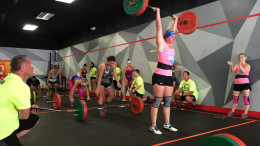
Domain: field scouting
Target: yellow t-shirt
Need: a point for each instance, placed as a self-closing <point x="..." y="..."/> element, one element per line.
<point x="189" y="86"/>
<point x="118" y="71"/>
<point x="139" y="81"/>
<point x="92" y="72"/>
<point x="15" y="95"/>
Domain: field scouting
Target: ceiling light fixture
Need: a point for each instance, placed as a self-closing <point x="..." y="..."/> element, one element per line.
<point x="93" y="28"/>
<point x="65" y="1"/>
<point x="30" y="27"/>
<point x="44" y="16"/>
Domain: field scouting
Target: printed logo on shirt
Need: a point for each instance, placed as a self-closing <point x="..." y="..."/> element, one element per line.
<point x="171" y="58"/>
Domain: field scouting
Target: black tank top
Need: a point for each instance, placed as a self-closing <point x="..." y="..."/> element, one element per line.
<point x="84" y="74"/>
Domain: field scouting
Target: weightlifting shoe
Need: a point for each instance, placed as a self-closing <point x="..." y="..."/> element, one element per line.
<point x="102" y="114"/>
<point x="169" y="127"/>
<point x="231" y="113"/>
<point x="155" y="130"/>
<point x="71" y="104"/>
<point x="244" y="115"/>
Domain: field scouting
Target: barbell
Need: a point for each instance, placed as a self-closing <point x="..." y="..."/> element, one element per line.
<point x="81" y="110"/>
<point x="187" y="24"/>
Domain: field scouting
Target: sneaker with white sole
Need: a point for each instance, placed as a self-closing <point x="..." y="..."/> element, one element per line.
<point x="155" y="130"/>
<point x="169" y="127"/>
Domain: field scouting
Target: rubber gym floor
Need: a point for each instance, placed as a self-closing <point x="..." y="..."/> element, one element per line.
<point x="122" y="127"/>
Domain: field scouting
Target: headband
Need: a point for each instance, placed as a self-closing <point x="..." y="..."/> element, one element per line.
<point x="170" y="33"/>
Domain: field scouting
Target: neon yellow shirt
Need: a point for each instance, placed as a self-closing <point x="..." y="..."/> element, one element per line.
<point x="139" y="81"/>
<point x="118" y="71"/>
<point x="92" y="72"/>
<point x="189" y="86"/>
<point x="15" y="95"/>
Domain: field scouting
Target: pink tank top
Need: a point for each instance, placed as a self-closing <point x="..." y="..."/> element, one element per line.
<point x="241" y="78"/>
<point x="165" y="57"/>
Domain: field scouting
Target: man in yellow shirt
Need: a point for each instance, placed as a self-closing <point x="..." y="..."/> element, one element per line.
<point x="189" y="94"/>
<point x="137" y="86"/>
<point x="17" y="118"/>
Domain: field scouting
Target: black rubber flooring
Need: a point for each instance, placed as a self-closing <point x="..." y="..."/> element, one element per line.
<point x="122" y="127"/>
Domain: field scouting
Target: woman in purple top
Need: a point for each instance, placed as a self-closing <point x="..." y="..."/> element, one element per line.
<point x="128" y="77"/>
<point x="79" y="83"/>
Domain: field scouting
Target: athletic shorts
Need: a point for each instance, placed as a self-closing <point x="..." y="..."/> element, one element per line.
<point x="53" y="82"/>
<point x="183" y="98"/>
<point x="138" y="94"/>
<point x="93" y="78"/>
<point x="29" y="123"/>
<point x="105" y="85"/>
<point x="115" y="85"/>
<point x="162" y="80"/>
<point x="241" y="87"/>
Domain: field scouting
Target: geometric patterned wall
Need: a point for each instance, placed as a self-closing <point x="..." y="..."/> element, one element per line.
<point x="203" y="53"/>
<point x="40" y="59"/>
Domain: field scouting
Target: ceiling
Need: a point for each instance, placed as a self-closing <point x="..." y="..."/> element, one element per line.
<point x="72" y="22"/>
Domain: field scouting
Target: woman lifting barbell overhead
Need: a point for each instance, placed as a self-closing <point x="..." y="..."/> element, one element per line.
<point x="162" y="78"/>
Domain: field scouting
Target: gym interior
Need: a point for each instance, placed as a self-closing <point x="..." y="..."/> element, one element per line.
<point x="87" y="31"/>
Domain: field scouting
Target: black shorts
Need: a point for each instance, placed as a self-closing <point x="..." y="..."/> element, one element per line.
<point x="162" y="80"/>
<point x="241" y="87"/>
<point x="93" y="78"/>
<point x="12" y="139"/>
<point x="183" y="98"/>
<point x="137" y="94"/>
<point x="105" y="85"/>
<point x="53" y="82"/>
<point x="115" y="85"/>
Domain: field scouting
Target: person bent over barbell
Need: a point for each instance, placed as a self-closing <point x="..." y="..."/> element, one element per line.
<point x="79" y="83"/>
<point x="137" y="87"/>
<point x="103" y="85"/>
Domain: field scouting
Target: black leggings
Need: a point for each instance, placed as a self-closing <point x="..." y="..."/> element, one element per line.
<point x="12" y="140"/>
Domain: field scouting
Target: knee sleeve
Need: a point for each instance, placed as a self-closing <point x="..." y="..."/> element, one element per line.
<point x="167" y="101"/>
<point x="126" y="87"/>
<point x="235" y="99"/>
<point x="246" y="100"/>
<point x="49" y="89"/>
<point x="157" y="101"/>
<point x="55" y="89"/>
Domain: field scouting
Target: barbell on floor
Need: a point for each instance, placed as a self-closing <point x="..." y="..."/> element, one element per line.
<point x="187" y="24"/>
<point x="56" y="101"/>
<point x="81" y="110"/>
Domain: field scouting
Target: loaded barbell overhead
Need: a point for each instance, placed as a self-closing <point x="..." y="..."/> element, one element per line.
<point x="188" y="21"/>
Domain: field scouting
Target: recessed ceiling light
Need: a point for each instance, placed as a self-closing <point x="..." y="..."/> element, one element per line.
<point x="44" y="16"/>
<point x="65" y="1"/>
<point x="30" y="27"/>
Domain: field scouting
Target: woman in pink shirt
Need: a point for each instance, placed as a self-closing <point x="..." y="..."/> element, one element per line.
<point x="162" y="78"/>
<point x="241" y="83"/>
